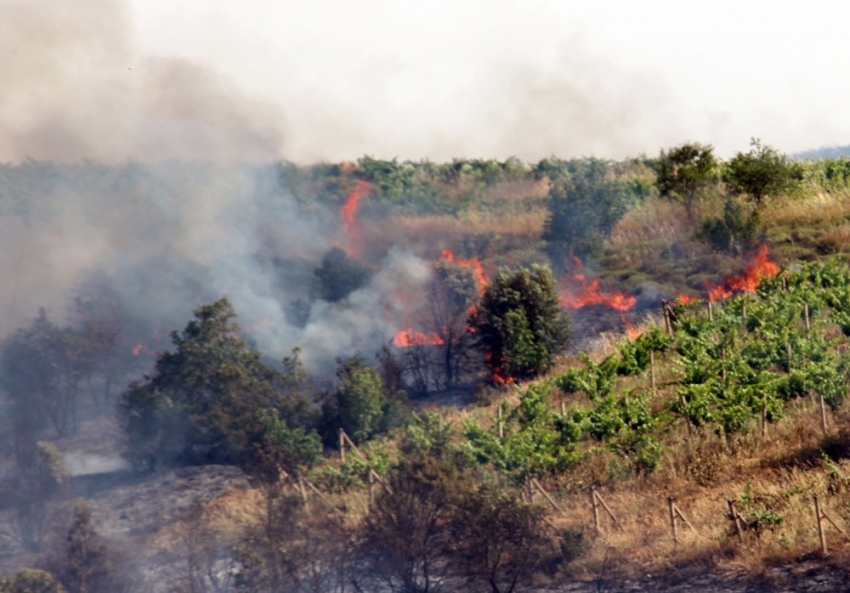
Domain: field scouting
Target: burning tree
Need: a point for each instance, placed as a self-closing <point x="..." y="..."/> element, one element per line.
<point x="520" y="323"/>
<point x="446" y="351"/>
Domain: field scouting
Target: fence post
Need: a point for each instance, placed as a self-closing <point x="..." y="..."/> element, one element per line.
<point x="806" y="315"/>
<point x="652" y="370"/>
<point x="501" y="425"/>
<point x="737" y="519"/>
<point x="822" y="415"/>
<point x="667" y="325"/>
<point x="710" y="310"/>
<point x="595" y="509"/>
<point x="788" y="354"/>
<point x="670" y="500"/>
<point x="342" y="445"/>
<point x="371" y="488"/>
<point x="821" y="534"/>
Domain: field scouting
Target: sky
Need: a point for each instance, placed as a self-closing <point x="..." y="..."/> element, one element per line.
<point x="333" y="80"/>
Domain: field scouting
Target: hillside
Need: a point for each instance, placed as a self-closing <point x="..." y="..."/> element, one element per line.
<point x="708" y="364"/>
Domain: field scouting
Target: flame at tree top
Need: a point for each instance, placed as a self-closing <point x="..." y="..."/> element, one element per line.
<point x="761" y="267"/>
<point x="348" y="214"/>
<point x="582" y="292"/>
<point x="474" y="263"/>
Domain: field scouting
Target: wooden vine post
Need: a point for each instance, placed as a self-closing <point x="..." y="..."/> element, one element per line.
<point x="342" y="445"/>
<point x="823" y="415"/>
<point x="806" y="315"/>
<point x="710" y="310"/>
<point x="675" y="512"/>
<point x="597" y="501"/>
<point x="820" y="515"/>
<point x="652" y="370"/>
<point x="501" y="424"/>
<point x="736" y="517"/>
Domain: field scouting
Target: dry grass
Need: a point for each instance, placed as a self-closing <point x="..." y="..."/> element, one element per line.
<point x="431" y="229"/>
<point x="653" y="221"/>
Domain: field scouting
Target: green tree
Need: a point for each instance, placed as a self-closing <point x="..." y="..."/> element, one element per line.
<point x="359" y="405"/>
<point x="498" y="540"/>
<point x="29" y="488"/>
<point x="86" y="567"/>
<point x="340" y="275"/>
<point x="761" y="173"/>
<point x="30" y="580"/>
<point x="405" y="543"/>
<point x="202" y="402"/>
<point x="583" y="210"/>
<point x="684" y="171"/>
<point x="520" y="323"/>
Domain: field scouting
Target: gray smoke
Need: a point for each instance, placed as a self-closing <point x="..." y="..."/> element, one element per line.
<point x="73" y="86"/>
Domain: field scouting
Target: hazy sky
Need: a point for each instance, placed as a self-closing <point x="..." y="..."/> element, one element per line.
<point x="446" y="78"/>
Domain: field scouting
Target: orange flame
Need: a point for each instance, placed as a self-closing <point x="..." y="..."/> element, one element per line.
<point x="589" y="293"/>
<point x="141" y="348"/>
<point x="348" y="214"/>
<point x="684" y="299"/>
<point x="761" y="267"/>
<point x="632" y="331"/>
<point x="408" y="338"/>
<point x="474" y="263"/>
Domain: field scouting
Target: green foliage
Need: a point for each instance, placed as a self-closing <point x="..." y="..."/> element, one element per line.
<point x="735" y="233"/>
<point x="339" y="275"/>
<point x="583" y="210"/>
<point x="359" y="406"/>
<point x="535" y="442"/>
<point x="684" y="171"/>
<point x="762" y="173"/>
<point x="203" y="401"/>
<point x="499" y="541"/>
<point x="30" y="580"/>
<point x="277" y="447"/>
<point x="520" y="323"/>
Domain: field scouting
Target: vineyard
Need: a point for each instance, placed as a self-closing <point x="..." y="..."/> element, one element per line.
<point x="685" y="406"/>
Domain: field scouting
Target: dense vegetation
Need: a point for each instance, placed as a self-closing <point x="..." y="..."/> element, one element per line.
<point x="449" y="492"/>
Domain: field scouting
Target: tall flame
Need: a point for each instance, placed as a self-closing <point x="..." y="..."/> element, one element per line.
<point x="588" y="292"/>
<point x="761" y="268"/>
<point x="348" y="214"/>
<point x="684" y="299"/>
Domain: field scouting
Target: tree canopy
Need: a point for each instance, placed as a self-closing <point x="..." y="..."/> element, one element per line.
<point x="761" y="173"/>
<point x="520" y="323"/>
<point x="204" y="400"/>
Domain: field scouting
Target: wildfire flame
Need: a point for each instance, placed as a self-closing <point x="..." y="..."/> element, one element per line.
<point x="684" y="299"/>
<point x="474" y="263"/>
<point x="632" y="331"/>
<point x="408" y="338"/>
<point x="761" y="267"/>
<point x="588" y="292"/>
<point x="348" y="214"/>
<point x="141" y="348"/>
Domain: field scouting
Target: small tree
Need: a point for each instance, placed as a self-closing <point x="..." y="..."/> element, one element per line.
<point x="684" y="171"/>
<point x="29" y="580"/>
<point x="583" y="210"/>
<point x="761" y="173"/>
<point x="340" y="275"/>
<point x="520" y="323"/>
<point x="201" y="403"/>
<point x="406" y="544"/>
<point x="498" y="540"/>
<point x="85" y="566"/>
<point x="359" y="405"/>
